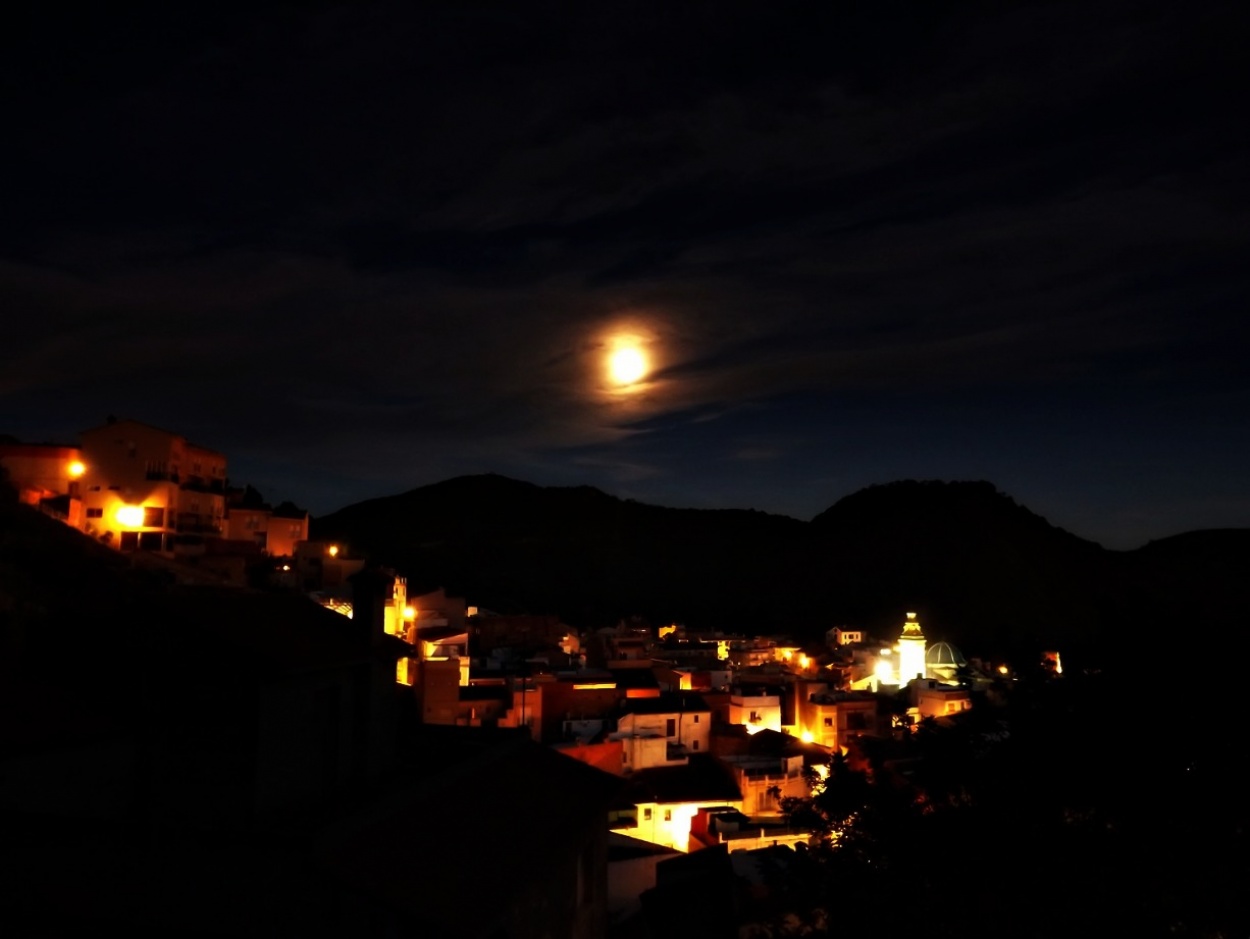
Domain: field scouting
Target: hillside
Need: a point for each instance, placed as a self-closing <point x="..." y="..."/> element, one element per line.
<point x="585" y="555"/>
<point x="971" y="561"/>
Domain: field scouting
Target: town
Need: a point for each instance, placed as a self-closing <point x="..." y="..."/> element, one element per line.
<point x="217" y="722"/>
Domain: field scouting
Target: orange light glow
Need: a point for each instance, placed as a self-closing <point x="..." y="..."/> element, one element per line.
<point x="626" y="358"/>
<point x="77" y="468"/>
<point x="410" y="613"/>
<point x="333" y="550"/>
<point x="807" y="736"/>
<point x="130" y="516"/>
<point x="627" y="365"/>
<point x="1003" y="669"/>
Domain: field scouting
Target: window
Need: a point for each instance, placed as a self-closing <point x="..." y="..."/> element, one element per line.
<point x="696" y="718"/>
<point x="646" y="815"/>
<point x="95" y="513"/>
<point x="670" y="727"/>
<point x="694" y="745"/>
<point x="668" y="815"/>
<point x="153" y="517"/>
<point x="754" y="718"/>
<point x="828" y="721"/>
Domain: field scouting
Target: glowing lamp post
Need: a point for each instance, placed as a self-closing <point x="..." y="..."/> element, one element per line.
<point x="76" y="468"/>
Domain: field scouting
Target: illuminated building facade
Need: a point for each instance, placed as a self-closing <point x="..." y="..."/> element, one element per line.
<point x="46" y="476"/>
<point x="277" y="532"/>
<point x="147" y="488"/>
<point x="833" y="718"/>
<point x="755" y="711"/>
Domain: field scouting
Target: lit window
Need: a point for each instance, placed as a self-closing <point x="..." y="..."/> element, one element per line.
<point x="668" y="815"/>
<point x="646" y="815"/>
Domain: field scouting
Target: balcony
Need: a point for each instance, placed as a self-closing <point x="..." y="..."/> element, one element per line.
<point x="200" y="484"/>
<point x="195" y="523"/>
<point x="157" y="475"/>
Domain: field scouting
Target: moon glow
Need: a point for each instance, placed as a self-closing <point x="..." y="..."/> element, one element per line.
<point x="627" y="365"/>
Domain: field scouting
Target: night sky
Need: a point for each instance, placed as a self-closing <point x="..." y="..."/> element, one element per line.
<point x="365" y="248"/>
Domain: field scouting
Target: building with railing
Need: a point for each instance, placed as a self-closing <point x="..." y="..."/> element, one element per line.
<point x="147" y="488"/>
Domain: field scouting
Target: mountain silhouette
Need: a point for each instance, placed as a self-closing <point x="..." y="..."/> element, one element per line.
<point x="980" y="569"/>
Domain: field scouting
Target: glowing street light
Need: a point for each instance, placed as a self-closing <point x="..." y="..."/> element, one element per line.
<point x="333" y="551"/>
<point x="77" y="468"/>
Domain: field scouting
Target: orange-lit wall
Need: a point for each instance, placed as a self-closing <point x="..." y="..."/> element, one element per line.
<point x="130" y="463"/>
<point x="247" y="524"/>
<point x="668" y="824"/>
<point x="831" y="723"/>
<point x="941" y="701"/>
<point x="766" y="707"/>
<point x="285" y="534"/>
<point x="43" y="469"/>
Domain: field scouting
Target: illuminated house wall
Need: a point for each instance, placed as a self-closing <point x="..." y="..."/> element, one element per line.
<point x="764" y="781"/>
<point x="756" y="712"/>
<point x="834" y="718"/>
<point x="42" y="470"/>
<point x="143" y="487"/>
<point x="285" y="532"/>
<point x="648" y="733"/>
<point x="248" y="524"/>
<point x="274" y="534"/>
<point x="933" y="699"/>
<point x="668" y="823"/>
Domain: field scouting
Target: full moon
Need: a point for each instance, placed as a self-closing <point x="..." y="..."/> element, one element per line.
<point x="627" y="365"/>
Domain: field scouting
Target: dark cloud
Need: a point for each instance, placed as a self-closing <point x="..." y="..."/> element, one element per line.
<point x="364" y="247"/>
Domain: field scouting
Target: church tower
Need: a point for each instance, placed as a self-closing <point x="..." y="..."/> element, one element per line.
<point x="911" y="649"/>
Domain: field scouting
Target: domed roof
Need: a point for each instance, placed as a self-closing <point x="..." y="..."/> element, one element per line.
<point x="944" y="655"/>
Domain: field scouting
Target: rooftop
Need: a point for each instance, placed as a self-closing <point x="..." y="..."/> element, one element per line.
<point x="667" y="703"/>
<point x="702" y="779"/>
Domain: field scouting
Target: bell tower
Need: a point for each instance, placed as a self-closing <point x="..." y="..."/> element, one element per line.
<point x="911" y="649"/>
